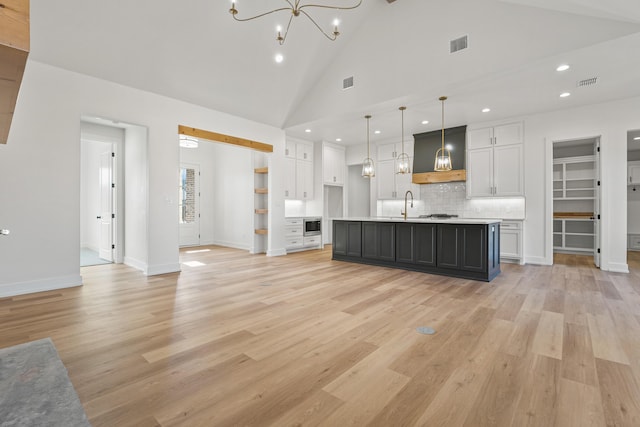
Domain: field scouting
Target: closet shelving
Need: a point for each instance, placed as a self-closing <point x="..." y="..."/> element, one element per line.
<point x="574" y="194"/>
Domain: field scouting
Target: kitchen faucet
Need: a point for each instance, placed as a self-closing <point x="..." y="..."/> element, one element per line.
<point x="405" y="204"/>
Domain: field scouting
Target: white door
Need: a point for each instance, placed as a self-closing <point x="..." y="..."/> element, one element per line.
<point x="189" y="205"/>
<point x="596" y="205"/>
<point x="106" y="206"/>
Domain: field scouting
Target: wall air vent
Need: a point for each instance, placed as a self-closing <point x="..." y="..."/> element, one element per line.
<point x="347" y="83"/>
<point x="587" y="82"/>
<point x="458" y="44"/>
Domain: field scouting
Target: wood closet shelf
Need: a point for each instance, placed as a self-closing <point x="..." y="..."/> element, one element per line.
<point x="262" y="211"/>
<point x="261" y="231"/>
<point x="262" y="190"/>
<point x="261" y="170"/>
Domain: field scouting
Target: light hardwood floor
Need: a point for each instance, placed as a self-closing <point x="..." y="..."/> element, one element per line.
<point x="302" y="340"/>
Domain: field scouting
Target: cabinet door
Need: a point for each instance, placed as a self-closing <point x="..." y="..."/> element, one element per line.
<point x="386" y="152"/>
<point x="479" y="138"/>
<point x="369" y="240"/>
<point x="634" y="174"/>
<point x="340" y="237"/>
<point x="473" y="247"/>
<point x="448" y="253"/>
<point x="304" y="180"/>
<point x="290" y="178"/>
<point x="508" y="173"/>
<point x="385" y="178"/>
<point x="405" y="247"/>
<point x="290" y="149"/>
<point x="480" y="172"/>
<point x="354" y="239"/>
<point x="333" y="165"/>
<point x="425" y="244"/>
<point x="304" y="152"/>
<point x="508" y="134"/>
<point x="510" y="243"/>
<point x="386" y="241"/>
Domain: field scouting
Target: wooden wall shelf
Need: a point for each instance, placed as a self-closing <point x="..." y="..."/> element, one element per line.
<point x="261" y="170"/>
<point x="262" y="190"/>
<point x="261" y="231"/>
<point x="262" y="211"/>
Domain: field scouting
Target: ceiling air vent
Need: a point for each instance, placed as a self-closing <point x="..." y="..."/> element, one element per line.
<point x="587" y="82"/>
<point x="347" y="83"/>
<point x="458" y="44"/>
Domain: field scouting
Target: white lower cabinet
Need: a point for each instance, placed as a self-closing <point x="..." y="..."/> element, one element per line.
<point x="634" y="242"/>
<point x="511" y="241"/>
<point x="294" y="238"/>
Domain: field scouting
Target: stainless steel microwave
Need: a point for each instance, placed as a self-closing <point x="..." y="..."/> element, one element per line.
<point x="312" y="226"/>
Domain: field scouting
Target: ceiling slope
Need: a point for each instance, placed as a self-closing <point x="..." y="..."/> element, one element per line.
<point x="403" y="51"/>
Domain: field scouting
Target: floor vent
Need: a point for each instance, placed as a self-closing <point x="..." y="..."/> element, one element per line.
<point x="587" y="82"/>
<point x="347" y="83"/>
<point x="458" y="44"/>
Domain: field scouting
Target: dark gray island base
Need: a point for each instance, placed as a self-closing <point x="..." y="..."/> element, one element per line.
<point x="466" y="249"/>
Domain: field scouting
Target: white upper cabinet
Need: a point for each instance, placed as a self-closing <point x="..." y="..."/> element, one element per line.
<point x="298" y="170"/>
<point x="333" y="164"/>
<point x="393" y="150"/>
<point x="495" y="161"/>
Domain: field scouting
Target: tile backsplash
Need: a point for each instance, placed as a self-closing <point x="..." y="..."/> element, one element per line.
<point x="450" y="198"/>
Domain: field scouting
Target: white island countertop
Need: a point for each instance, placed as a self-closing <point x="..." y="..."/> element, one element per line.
<point x="422" y="220"/>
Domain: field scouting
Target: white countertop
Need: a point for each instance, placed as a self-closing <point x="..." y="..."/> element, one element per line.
<point x="423" y="220"/>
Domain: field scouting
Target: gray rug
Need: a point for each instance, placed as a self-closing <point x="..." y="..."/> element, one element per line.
<point x="35" y="389"/>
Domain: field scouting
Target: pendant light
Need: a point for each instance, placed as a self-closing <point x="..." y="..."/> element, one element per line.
<point x="443" y="156"/>
<point x="368" y="170"/>
<point x="403" y="165"/>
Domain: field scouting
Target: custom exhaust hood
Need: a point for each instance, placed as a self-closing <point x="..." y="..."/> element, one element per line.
<point x="425" y="148"/>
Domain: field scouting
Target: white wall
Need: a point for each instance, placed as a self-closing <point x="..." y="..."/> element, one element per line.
<point x="358" y="193"/>
<point x="40" y="172"/>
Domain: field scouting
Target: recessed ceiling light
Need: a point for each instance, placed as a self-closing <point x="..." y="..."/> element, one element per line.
<point x="377" y="132"/>
<point x="563" y="67"/>
<point x="279" y="58"/>
<point x="307" y="130"/>
<point x="637" y="138"/>
<point x="425" y="122"/>
<point x="486" y="110"/>
<point x="564" y="94"/>
<point x="338" y="139"/>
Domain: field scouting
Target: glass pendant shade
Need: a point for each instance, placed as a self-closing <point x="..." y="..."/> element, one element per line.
<point x="368" y="168"/>
<point x="403" y="162"/>
<point x="443" y="156"/>
<point x="443" y="160"/>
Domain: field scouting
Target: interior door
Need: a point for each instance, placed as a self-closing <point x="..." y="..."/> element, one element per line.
<point x="596" y="204"/>
<point x="189" y="205"/>
<point x="106" y="206"/>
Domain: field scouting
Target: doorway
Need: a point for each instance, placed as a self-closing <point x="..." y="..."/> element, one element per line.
<point x="576" y="197"/>
<point x="98" y="193"/>
<point x="633" y="192"/>
<point x="359" y="199"/>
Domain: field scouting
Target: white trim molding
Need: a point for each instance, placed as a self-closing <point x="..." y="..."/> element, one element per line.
<point x="618" y="267"/>
<point x="154" y="270"/>
<point x="42" y="285"/>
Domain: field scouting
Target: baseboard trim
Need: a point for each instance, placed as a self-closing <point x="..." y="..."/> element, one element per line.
<point x="618" y="267"/>
<point x="154" y="270"/>
<point x="233" y="245"/>
<point x="277" y="252"/>
<point x="135" y="263"/>
<point x="42" y="285"/>
<point x="538" y="260"/>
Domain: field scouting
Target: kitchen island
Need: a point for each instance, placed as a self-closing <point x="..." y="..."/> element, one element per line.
<point x="466" y="248"/>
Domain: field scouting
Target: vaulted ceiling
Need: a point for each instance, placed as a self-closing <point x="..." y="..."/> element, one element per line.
<point x="398" y="53"/>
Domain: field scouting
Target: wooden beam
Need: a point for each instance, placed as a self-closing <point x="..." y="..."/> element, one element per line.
<point x="435" y="177"/>
<point x="227" y="139"/>
<point x="14" y="24"/>
<point x="14" y="49"/>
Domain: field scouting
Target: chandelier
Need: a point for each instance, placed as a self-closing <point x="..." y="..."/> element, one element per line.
<point x="296" y="8"/>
